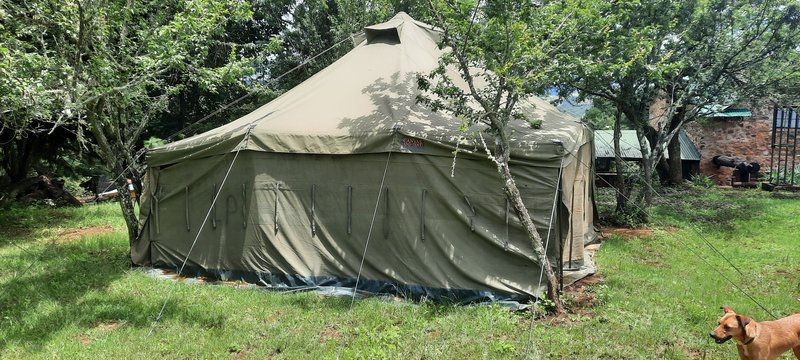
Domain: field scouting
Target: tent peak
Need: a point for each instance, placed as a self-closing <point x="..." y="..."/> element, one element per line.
<point x="391" y="31"/>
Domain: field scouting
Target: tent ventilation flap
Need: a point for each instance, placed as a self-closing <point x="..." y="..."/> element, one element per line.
<point x="382" y="36"/>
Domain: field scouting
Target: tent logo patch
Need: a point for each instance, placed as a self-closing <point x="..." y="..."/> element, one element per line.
<point x="411" y="143"/>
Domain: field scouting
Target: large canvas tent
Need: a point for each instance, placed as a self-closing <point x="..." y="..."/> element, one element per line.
<point x="298" y="183"/>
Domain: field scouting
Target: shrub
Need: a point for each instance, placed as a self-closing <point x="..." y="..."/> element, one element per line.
<point x="703" y="181"/>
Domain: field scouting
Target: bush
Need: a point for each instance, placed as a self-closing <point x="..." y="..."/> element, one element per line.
<point x="703" y="181"/>
<point x="73" y="186"/>
<point x="630" y="218"/>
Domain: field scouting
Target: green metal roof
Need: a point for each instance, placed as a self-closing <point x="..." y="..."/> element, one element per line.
<point x="629" y="145"/>
<point x="732" y="112"/>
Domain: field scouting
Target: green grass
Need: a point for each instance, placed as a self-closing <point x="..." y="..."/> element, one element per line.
<point x="80" y="299"/>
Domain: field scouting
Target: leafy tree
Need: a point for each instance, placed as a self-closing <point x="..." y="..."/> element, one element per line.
<point x="103" y="69"/>
<point x="685" y="55"/>
<point x="604" y="115"/>
<point x="317" y="25"/>
<point x="507" y="46"/>
<point x="601" y="115"/>
<point x="728" y="52"/>
<point x="257" y="38"/>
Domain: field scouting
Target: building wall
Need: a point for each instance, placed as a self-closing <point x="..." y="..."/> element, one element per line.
<point x="746" y="138"/>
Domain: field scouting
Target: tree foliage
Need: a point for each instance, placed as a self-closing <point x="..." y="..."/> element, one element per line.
<point x="664" y="63"/>
<point x="601" y="116"/>
<point x="102" y="69"/>
<point x="92" y="79"/>
<point x="497" y="55"/>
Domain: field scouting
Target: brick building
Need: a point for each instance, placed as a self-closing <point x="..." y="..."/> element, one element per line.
<point x="745" y="134"/>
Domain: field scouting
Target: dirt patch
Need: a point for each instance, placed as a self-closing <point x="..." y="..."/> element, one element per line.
<point x="786" y="195"/>
<point x="84" y="339"/>
<point x="108" y="326"/>
<point x="580" y="299"/>
<point x="632" y="232"/>
<point x="104" y="326"/>
<point x="275" y="316"/>
<point x="696" y="354"/>
<point x="626" y="232"/>
<point x="433" y="333"/>
<point x="75" y="234"/>
<point x="330" y="332"/>
<point x="788" y="273"/>
<point x="652" y="262"/>
<point x="239" y="354"/>
<point x="583" y="297"/>
<point x="593" y="279"/>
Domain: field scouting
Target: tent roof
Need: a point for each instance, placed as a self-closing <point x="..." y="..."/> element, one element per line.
<point x="362" y="102"/>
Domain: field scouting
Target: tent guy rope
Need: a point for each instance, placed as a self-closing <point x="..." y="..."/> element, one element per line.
<point x="697" y="232"/>
<point x="693" y="250"/>
<point x="366" y="243"/>
<point x="199" y="230"/>
<point x="546" y="245"/>
<point x="142" y="151"/>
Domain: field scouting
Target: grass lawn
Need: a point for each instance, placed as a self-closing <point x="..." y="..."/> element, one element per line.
<point x="66" y="291"/>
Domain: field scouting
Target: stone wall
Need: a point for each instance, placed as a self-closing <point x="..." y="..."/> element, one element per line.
<point x="747" y="138"/>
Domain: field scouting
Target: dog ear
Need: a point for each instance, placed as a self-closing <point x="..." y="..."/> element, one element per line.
<point x="743" y="319"/>
<point x="726" y="308"/>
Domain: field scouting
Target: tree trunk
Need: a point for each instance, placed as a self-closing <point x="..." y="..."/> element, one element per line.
<point x="515" y="198"/>
<point x="128" y="209"/>
<point x="675" y="168"/>
<point x="619" y="163"/>
<point x="19" y="157"/>
<point x="647" y="168"/>
<point x="674" y="161"/>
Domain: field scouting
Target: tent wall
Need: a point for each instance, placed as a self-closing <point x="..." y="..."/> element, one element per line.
<point x="578" y="198"/>
<point x="261" y="226"/>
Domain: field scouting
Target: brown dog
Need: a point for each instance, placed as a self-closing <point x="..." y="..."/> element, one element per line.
<point x="764" y="340"/>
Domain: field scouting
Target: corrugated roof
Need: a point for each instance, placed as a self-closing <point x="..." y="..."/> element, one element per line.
<point x="688" y="149"/>
<point x="732" y="112"/>
<point x="629" y="145"/>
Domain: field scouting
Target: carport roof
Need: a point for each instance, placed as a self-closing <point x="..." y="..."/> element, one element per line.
<point x="629" y="145"/>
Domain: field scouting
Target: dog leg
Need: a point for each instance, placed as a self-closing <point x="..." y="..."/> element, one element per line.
<point x="796" y="350"/>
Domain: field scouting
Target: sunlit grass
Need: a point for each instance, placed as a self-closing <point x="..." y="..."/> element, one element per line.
<point x="79" y="298"/>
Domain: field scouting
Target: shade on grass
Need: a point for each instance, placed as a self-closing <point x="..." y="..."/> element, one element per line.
<point x="80" y="299"/>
